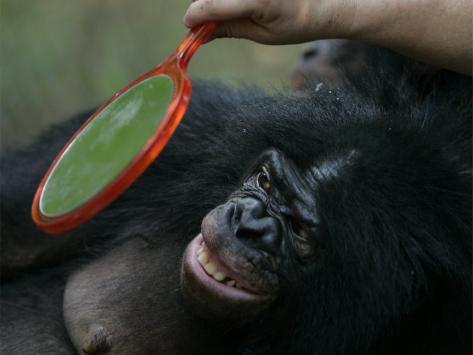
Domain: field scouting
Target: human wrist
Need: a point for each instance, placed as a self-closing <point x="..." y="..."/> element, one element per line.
<point x="377" y="21"/>
<point x="372" y="17"/>
<point x="331" y="19"/>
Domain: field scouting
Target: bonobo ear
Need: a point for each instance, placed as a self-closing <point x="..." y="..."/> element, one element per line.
<point x="128" y="302"/>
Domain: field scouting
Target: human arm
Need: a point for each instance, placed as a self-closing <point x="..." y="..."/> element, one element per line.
<point x="435" y="31"/>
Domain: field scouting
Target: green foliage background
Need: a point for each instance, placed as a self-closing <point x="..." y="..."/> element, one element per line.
<point x="58" y="57"/>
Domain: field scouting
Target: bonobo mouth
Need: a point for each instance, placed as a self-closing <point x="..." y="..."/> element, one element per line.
<point x="213" y="290"/>
<point x="212" y="272"/>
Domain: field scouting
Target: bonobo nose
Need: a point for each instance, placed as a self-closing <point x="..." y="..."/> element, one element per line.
<point x="254" y="227"/>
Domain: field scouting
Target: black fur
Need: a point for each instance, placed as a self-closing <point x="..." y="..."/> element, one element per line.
<point x="393" y="271"/>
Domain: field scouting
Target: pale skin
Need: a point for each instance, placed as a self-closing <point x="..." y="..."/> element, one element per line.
<point x="438" y="32"/>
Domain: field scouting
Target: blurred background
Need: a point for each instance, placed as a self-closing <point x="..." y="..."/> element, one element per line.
<point x="60" y="57"/>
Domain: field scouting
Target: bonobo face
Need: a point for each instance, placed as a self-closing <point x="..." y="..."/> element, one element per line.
<point x="327" y="61"/>
<point x="232" y="269"/>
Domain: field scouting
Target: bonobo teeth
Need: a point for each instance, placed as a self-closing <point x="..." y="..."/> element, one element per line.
<point x="203" y="258"/>
<point x="219" y="276"/>
<point x="211" y="268"/>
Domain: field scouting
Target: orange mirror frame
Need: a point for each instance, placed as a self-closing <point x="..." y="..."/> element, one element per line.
<point x="174" y="67"/>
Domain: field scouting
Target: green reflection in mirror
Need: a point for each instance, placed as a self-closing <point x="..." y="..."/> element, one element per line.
<point x="106" y="146"/>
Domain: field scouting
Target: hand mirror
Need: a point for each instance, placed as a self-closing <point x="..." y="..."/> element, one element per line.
<point x="118" y="142"/>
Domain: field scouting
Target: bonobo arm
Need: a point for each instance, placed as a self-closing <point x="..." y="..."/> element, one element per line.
<point x="23" y="245"/>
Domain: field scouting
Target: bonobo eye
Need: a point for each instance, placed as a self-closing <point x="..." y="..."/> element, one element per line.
<point x="263" y="180"/>
<point x="300" y="230"/>
<point x="311" y="53"/>
<point x="301" y="240"/>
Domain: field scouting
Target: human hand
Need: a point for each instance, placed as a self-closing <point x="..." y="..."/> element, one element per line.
<point x="273" y="21"/>
<point x="437" y="32"/>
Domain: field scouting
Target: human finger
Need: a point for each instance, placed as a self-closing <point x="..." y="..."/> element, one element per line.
<point x="202" y="11"/>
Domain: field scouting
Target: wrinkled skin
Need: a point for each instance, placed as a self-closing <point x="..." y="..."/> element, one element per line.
<point x="246" y="235"/>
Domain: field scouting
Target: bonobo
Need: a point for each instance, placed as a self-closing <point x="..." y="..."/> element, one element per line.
<point x="334" y="222"/>
<point x="333" y="62"/>
<point x="329" y="61"/>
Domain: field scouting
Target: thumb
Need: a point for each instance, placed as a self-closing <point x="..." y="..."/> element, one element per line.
<point x="241" y="29"/>
<point x="236" y="29"/>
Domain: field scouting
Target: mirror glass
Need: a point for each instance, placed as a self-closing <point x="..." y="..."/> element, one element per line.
<point x="106" y="146"/>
